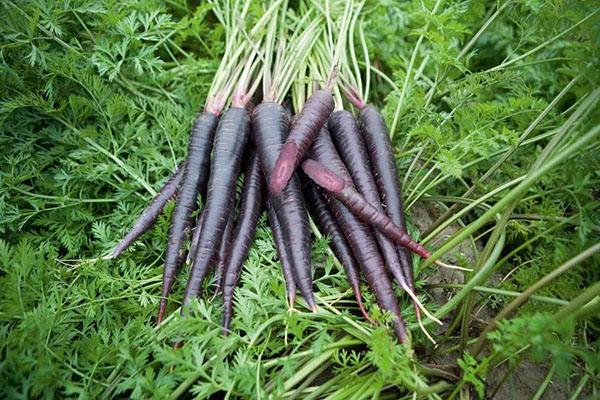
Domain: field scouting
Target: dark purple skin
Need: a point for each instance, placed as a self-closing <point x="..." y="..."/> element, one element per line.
<point x="323" y="217"/>
<point x="253" y="197"/>
<point x="357" y="233"/>
<point x="270" y="125"/>
<point x="149" y="216"/>
<point x="350" y="145"/>
<point x="221" y="256"/>
<point x="282" y="254"/>
<point x="195" y="175"/>
<point x="383" y="165"/>
<point x="195" y="238"/>
<point x="304" y="131"/>
<point x="344" y="191"/>
<point x="229" y="145"/>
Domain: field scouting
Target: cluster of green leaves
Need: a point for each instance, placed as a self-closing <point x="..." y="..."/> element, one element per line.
<point x="458" y="109"/>
<point x="97" y="99"/>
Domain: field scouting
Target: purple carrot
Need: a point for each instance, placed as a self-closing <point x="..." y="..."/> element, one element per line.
<point x="357" y="233"/>
<point x="149" y="216"/>
<point x="383" y="164"/>
<point x="330" y="227"/>
<point x="351" y="147"/>
<point x="282" y="254"/>
<point x="251" y="205"/>
<point x="304" y="131"/>
<point x="194" y="178"/>
<point x="270" y="126"/>
<point x="345" y="192"/>
<point x="230" y="142"/>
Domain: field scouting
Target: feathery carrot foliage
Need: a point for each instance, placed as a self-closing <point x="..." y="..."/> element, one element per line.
<point x="96" y="102"/>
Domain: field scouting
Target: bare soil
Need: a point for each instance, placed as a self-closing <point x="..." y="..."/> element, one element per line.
<point x="528" y="376"/>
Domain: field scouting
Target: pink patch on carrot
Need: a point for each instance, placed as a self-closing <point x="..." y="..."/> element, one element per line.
<point x="284" y="168"/>
<point x="323" y="176"/>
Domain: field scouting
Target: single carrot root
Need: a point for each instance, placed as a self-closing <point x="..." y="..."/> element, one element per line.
<point x="302" y="134"/>
<point x="418" y="307"/>
<point x="421" y="325"/>
<point x="416" y="300"/>
<point x="227" y="317"/>
<point x="401" y="331"/>
<point x="359" y="206"/>
<point x="284" y="168"/>
<point x="310" y="301"/>
<point x="215" y="294"/>
<point x="451" y="266"/>
<point x="420" y="322"/>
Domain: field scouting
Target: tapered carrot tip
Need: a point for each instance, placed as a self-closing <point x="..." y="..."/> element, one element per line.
<point x="422" y="326"/>
<point x="178" y="345"/>
<point x="322" y="176"/>
<point x="365" y="313"/>
<point x="418" y="306"/>
<point x="284" y="168"/>
<point x="161" y="311"/>
<point x="313" y="308"/>
<point x="400" y="331"/>
<point x="451" y="266"/>
<point x="291" y="302"/>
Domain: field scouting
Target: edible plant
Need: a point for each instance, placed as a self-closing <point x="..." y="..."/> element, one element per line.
<point x="492" y="110"/>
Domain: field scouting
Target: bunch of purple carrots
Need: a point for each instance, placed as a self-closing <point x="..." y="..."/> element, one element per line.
<point x="303" y="159"/>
